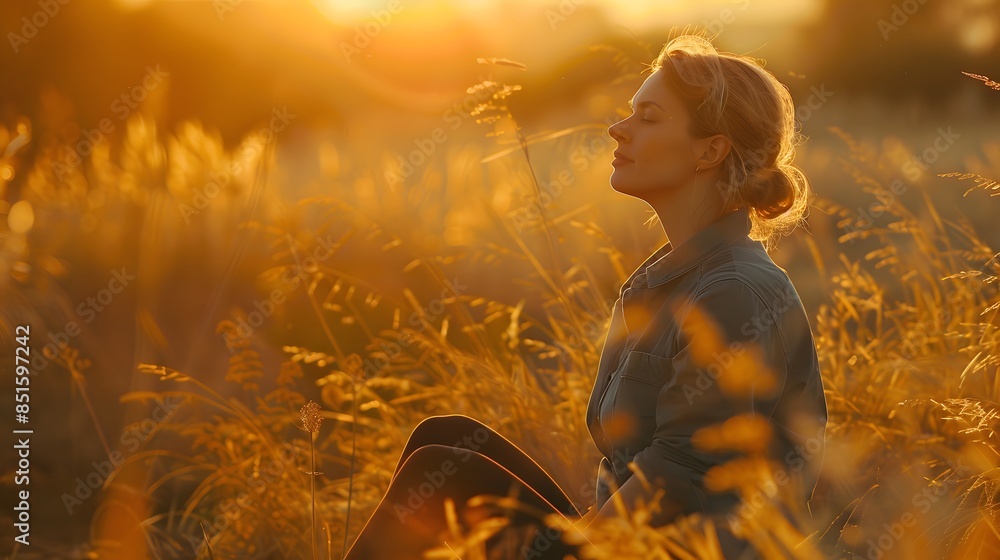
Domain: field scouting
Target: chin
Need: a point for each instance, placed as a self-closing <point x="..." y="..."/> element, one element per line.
<point x="621" y="185"/>
<point x="629" y="188"/>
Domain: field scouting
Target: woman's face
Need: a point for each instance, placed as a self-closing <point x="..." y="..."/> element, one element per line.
<point x="655" y="153"/>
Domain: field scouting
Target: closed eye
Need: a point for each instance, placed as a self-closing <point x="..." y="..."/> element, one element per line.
<point x="642" y="118"/>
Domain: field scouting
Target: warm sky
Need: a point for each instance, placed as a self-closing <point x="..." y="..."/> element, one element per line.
<point x="628" y="12"/>
<point x="632" y="13"/>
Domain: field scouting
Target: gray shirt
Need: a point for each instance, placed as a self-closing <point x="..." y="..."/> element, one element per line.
<point x="704" y="332"/>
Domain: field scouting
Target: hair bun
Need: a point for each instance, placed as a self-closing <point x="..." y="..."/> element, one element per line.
<point x="769" y="191"/>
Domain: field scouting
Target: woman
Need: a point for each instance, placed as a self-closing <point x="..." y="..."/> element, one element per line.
<point x="707" y="329"/>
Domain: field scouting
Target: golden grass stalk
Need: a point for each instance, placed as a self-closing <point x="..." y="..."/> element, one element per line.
<point x="208" y="541"/>
<point x="311" y="422"/>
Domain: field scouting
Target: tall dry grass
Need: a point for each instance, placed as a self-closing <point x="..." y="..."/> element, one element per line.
<point x="907" y="339"/>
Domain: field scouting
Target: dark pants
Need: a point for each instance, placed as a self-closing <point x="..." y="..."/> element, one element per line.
<point x="455" y="456"/>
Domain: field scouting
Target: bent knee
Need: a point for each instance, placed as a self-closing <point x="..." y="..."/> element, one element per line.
<point x="435" y="455"/>
<point x="447" y="428"/>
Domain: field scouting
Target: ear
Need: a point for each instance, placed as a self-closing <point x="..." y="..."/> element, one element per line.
<point x="713" y="149"/>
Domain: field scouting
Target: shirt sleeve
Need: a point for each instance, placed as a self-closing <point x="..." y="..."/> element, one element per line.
<point x="730" y="363"/>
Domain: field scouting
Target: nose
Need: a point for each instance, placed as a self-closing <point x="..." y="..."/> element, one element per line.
<point x="616" y="131"/>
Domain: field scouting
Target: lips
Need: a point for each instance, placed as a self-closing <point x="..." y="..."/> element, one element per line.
<point x="619" y="155"/>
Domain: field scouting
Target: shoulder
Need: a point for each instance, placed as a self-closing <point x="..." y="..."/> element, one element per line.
<point x="745" y="276"/>
<point x="750" y="297"/>
<point x="726" y="293"/>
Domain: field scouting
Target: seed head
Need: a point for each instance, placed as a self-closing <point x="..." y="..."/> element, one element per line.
<point x="311" y="418"/>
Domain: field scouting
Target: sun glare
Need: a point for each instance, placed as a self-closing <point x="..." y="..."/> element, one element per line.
<point x="339" y="10"/>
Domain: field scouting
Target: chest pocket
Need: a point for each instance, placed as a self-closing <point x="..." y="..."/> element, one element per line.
<point x="643" y="375"/>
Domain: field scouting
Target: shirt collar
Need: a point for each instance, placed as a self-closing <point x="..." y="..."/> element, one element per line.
<point x="667" y="262"/>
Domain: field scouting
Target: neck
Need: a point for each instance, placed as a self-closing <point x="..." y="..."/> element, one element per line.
<point x="685" y="211"/>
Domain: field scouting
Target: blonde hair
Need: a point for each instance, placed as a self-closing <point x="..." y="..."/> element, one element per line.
<point x="735" y="96"/>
